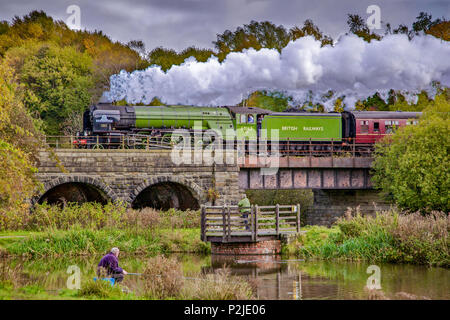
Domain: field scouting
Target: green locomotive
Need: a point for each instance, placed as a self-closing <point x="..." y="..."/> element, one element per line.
<point x="106" y="123"/>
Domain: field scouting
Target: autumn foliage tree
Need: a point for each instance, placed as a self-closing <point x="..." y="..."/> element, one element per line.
<point x="62" y="70"/>
<point x="19" y="141"/>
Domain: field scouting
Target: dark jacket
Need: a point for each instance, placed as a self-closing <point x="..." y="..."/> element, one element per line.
<point x="110" y="263"/>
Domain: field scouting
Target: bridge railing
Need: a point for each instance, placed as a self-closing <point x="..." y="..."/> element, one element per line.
<point x="108" y="142"/>
<point x="317" y="147"/>
<point x="248" y="224"/>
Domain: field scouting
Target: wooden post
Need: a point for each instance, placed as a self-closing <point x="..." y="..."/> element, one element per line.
<point x="298" y="217"/>
<point x="252" y="217"/>
<point x="277" y="219"/>
<point x="256" y="222"/>
<point x="148" y="143"/>
<point x="229" y="223"/>
<point x="224" y="227"/>
<point x="71" y="142"/>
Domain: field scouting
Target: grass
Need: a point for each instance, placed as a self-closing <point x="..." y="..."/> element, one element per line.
<point x="83" y="242"/>
<point x="388" y="237"/>
<point x="94" y="216"/>
<point x="92" y="228"/>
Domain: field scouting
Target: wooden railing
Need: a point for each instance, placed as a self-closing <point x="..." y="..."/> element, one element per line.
<point x="248" y="224"/>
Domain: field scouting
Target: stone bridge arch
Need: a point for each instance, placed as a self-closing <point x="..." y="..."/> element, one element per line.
<point x="66" y="184"/>
<point x="186" y="193"/>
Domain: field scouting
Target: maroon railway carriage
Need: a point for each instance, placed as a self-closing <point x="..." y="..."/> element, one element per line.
<point x="371" y="126"/>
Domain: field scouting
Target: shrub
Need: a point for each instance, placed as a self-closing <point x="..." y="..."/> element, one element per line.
<point x="99" y="289"/>
<point x="388" y="237"/>
<point x="163" y="278"/>
<point x="218" y="286"/>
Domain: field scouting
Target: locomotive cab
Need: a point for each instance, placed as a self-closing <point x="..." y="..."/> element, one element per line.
<point x="247" y="121"/>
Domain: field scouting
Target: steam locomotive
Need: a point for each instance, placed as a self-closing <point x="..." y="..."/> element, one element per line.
<point x="110" y="126"/>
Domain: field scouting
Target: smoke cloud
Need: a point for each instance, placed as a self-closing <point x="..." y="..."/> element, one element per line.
<point x="352" y="67"/>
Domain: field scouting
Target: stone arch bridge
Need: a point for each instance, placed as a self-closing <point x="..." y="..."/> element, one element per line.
<point x="142" y="178"/>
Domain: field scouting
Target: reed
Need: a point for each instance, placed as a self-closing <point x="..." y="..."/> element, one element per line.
<point x="389" y="236"/>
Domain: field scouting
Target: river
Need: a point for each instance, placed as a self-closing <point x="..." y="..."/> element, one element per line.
<point x="274" y="277"/>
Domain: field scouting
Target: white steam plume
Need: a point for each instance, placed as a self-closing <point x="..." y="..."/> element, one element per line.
<point x="352" y="67"/>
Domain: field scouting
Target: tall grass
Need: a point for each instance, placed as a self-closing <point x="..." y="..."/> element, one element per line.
<point x="83" y="242"/>
<point x="387" y="237"/>
<point x="163" y="279"/>
<point x="218" y="286"/>
<point x="95" y="216"/>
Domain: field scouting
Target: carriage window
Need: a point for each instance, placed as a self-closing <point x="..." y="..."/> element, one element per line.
<point x="243" y="118"/>
<point x="376" y="127"/>
<point x="250" y="119"/>
<point x="364" y="126"/>
<point x="389" y="128"/>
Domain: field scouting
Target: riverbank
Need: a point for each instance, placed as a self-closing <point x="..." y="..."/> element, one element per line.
<point x="389" y="237"/>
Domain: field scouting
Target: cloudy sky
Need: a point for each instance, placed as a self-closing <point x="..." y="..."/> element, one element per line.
<point x="181" y="23"/>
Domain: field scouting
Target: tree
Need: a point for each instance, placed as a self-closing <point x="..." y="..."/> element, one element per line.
<point x="166" y="58"/>
<point x="310" y="29"/>
<point x="358" y="26"/>
<point x="57" y="81"/>
<point x="254" y="35"/>
<point x="411" y="166"/>
<point x="269" y="100"/>
<point x="440" y="30"/>
<point x="19" y="141"/>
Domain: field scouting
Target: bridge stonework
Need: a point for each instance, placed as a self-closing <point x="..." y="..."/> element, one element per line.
<point x="124" y="174"/>
<point x="337" y="183"/>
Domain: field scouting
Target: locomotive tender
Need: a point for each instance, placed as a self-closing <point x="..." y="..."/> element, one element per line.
<point x="106" y="124"/>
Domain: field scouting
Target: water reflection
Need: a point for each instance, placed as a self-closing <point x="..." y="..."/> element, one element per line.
<point x="274" y="277"/>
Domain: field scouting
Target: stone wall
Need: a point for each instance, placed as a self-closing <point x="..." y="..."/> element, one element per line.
<point x="329" y="205"/>
<point x="123" y="174"/>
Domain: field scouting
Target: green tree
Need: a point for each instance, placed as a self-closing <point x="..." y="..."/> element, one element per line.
<point x="166" y="58"/>
<point x="254" y="35"/>
<point x="57" y="81"/>
<point x="412" y="166"/>
<point x="269" y="100"/>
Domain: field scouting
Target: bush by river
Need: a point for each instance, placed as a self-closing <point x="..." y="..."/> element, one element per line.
<point x="391" y="236"/>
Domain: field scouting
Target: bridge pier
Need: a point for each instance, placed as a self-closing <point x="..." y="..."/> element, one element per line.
<point x="329" y="205"/>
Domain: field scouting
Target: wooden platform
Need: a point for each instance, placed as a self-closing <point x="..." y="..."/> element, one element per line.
<point x="227" y="224"/>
